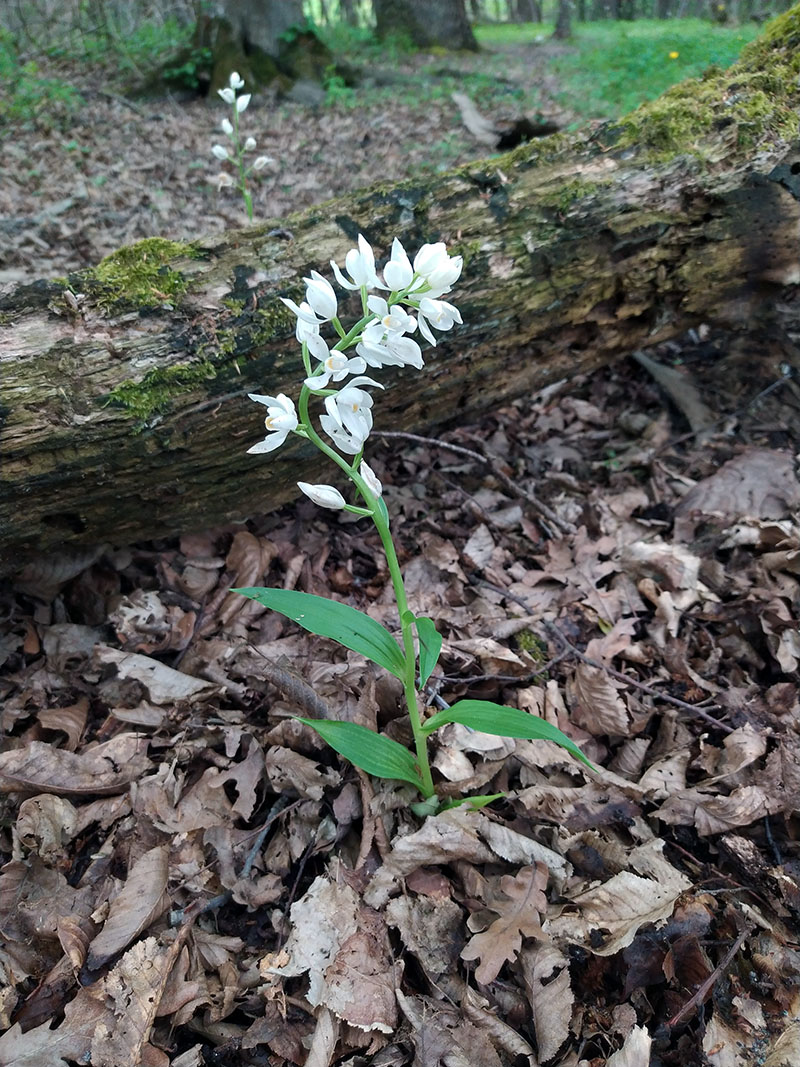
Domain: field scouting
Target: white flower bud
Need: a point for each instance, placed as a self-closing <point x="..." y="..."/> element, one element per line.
<point x="235" y="81"/>
<point x="228" y="95"/>
<point x="227" y="127"/>
<point x="220" y="151"/>
<point x="262" y="161"/>
<point x="371" y="478"/>
<point x="242" y="102"/>
<point x="325" y="495"/>
<point x="249" y="144"/>
<point x="225" y="181"/>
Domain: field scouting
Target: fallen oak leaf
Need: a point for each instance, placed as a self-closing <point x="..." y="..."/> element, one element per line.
<point x="519" y="916"/>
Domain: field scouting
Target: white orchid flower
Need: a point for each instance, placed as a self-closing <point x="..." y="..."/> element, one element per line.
<point x="360" y="265"/>
<point x="235" y="81"/>
<point x="242" y="102"/>
<point x="336" y="366"/>
<point x="327" y="496"/>
<point x="371" y="478"/>
<point x="228" y="95"/>
<point x="436" y="313"/>
<point x="220" y="151"/>
<point x="281" y="420"/>
<point x="308" y="332"/>
<point x="398" y="272"/>
<point x="439" y="270"/>
<point x="393" y="319"/>
<point x="349" y="416"/>
<point x="249" y="144"/>
<point x="304" y="312"/>
<point x="225" y="181"/>
<point x="227" y="127"/>
<point x="262" y="161"/>
<point x="321" y="295"/>
<point x="383" y="349"/>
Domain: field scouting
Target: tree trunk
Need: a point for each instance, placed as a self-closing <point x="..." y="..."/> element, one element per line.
<point x="124" y="393"/>
<point x="563" y="30"/>
<point x="440" y="25"/>
<point x="263" y="22"/>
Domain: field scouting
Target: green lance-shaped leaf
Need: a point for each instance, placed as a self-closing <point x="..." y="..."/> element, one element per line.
<point x="340" y="622"/>
<point x="497" y="719"/>
<point x="430" y="645"/>
<point x="373" y="753"/>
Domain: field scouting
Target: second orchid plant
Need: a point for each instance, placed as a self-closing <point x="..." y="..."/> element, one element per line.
<point x="407" y="300"/>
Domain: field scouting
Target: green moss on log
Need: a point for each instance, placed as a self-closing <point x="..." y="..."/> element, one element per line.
<point x="139" y="275"/>
<point x="157" y="390"/>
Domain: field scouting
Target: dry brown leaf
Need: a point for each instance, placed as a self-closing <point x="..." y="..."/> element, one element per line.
<point x="361" y="979"/>
<point x="288" y="770"/>
<point x="442" y="1038"/>
<point x="322" y="920"/>
<point x="70" y="720"/>
<point x="785" y="1049"/>
<point x="519" y="916"/>
<point x="144" y="623"/>
<point x="714" y="814"/>
<point x="248" y="561"/>
<point x="476" y="1009"/>
<point x="595" y="702"/>
<point x="635" y="1052"/>
<point x="141" y="899"/>
<point x="163" y="684"/>
<point x="431" y="928"/>
<point x="104" y="769"/>
<point x="619" y="906"/>
<point x="545" y="973"/>
<point x="134" y="987"/>
<point x="759" y="484"/>
<point x="70" y="1042"/>
<point x="726" y="1045"/>
<point x="46" y="824"/>
<point x="443" y="838"/>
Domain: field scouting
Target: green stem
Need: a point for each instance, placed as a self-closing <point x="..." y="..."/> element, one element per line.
<point x="406" y="625"/>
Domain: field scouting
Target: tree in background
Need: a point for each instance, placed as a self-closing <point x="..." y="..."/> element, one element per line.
<point x="440" y="25"/>
<point x="563" y="30"/>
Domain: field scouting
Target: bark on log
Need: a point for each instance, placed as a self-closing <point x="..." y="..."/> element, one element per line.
<point x="124" y="389"/>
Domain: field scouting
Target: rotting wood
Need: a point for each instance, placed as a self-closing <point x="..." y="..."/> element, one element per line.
<point x="124" y="389"/>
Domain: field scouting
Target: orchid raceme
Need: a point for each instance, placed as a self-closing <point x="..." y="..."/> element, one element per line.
<point x="409" y="301"/>
<point x="236" y="153"/>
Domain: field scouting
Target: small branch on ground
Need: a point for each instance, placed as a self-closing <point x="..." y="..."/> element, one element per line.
<point x="706" y="987"/>
<point x="485" y="461"/>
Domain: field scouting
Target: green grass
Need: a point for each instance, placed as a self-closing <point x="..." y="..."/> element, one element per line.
<point x="612" y="67"/>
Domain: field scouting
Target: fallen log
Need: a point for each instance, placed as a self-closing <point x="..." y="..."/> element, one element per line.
<point x="124" y="389"/>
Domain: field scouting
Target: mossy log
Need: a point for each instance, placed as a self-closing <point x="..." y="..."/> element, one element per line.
<point x="124" y="389"/>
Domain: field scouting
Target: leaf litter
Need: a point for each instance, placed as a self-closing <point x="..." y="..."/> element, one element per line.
<point x="191" y="877"/>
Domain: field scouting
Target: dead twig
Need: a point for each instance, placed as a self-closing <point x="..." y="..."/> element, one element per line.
<point x="700" y="995"/>
<point x="485" y="461"/>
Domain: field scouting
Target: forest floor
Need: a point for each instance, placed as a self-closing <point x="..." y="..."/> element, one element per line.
<point x="192" y="878"/>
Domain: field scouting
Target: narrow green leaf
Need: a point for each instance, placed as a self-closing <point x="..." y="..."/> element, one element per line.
<point x="497" y="719"/>
<point x="430" y="645"/>
<point x="373" y="753"/>
<point x="340" y="622"/>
